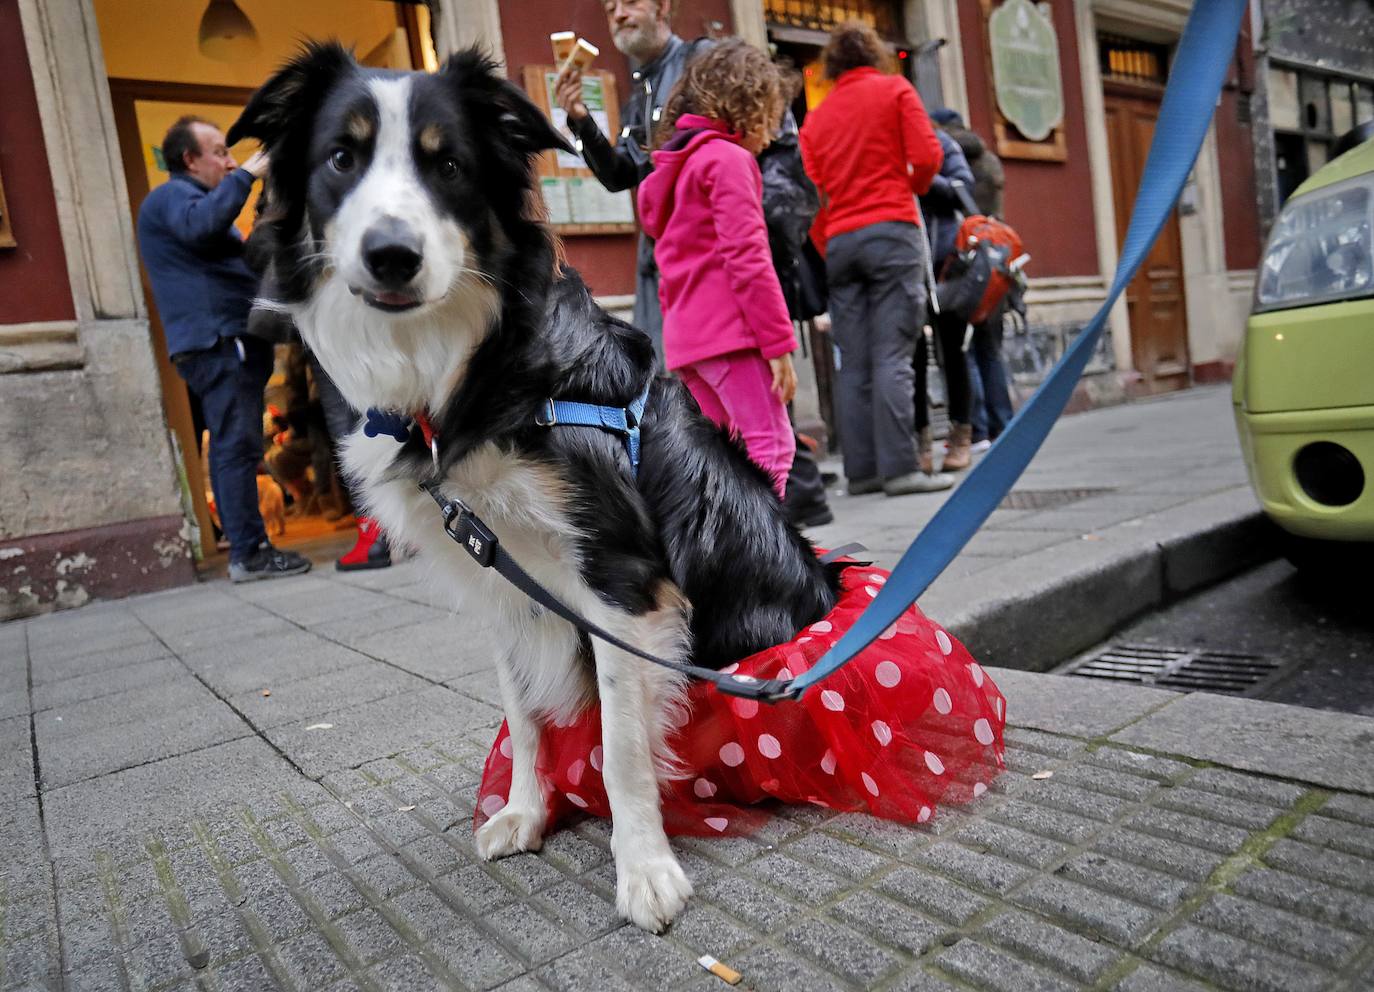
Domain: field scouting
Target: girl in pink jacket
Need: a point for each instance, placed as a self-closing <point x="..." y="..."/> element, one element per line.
<point x="726" y="331"/>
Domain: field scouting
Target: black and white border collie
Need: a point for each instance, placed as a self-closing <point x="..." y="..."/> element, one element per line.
<point x="404" y="243"/>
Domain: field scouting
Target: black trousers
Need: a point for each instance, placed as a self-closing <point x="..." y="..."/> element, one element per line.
<point x="950" y="331"/>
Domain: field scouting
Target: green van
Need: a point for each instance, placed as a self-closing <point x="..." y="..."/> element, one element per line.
<point x="1304" y="381"/>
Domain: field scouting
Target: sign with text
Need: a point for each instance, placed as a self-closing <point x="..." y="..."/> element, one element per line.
<point x="1025" y="68"/>
<point x="576" y="200"/>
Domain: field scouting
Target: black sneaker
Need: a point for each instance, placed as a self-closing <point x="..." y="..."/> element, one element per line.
<point x="268" y="563"/>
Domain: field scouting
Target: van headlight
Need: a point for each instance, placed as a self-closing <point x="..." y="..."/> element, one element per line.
<point x="1320" y="249"/>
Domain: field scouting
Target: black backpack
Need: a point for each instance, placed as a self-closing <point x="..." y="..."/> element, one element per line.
<point x="790" y="203"/>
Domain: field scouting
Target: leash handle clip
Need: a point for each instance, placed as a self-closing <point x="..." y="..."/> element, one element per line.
<point x="475" y="537"/>
<point x="464" y="526"/>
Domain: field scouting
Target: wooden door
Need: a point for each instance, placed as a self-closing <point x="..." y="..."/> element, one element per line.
<point x="1154" y="298"/>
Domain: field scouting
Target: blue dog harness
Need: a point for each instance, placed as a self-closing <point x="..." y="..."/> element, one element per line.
<point x="621" y="420"/>
<point x="618" y="420"/>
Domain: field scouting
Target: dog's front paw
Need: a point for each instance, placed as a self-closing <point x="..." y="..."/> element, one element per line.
<point x="651" y="892"/>
<point x="510" y="832"/>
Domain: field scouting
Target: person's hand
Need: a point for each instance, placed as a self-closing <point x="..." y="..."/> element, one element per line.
<point x="568" y="92"/>
<point x="257" y="164"/>
<point x="784" y="377"/>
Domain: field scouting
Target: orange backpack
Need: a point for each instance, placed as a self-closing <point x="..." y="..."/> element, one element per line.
<point x="984" y="269"/>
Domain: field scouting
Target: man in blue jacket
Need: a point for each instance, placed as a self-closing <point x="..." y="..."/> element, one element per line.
<point x="204" y="290"/>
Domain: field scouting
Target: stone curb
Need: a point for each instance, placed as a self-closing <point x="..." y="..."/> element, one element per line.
<point x="1010" y="616"/>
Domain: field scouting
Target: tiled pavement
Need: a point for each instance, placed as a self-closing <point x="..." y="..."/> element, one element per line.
<point x="193" y="832"/>
<point x="271" y="786"/>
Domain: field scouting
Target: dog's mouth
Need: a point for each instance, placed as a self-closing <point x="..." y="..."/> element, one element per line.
<point x="387" y="301"/>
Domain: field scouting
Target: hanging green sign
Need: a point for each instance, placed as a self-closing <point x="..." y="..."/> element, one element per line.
<point x="1025" y="67"/>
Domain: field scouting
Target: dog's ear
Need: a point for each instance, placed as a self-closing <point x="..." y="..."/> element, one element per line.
<point x="529" y="128"/>
<point x="281" y="115"/>
<point x="292" y="94"/>
<point x="523" y="124"/>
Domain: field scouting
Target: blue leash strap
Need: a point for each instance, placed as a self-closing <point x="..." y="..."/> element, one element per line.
<point x="1199" y="67"/>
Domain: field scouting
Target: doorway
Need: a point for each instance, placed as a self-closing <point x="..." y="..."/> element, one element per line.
<point x="1154" y="298"/>
<point x="158" y="73"/>
<point x="799" y="50"/>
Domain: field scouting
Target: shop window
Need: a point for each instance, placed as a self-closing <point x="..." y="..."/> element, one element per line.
<point x="1290" y="163"/>
<point x="1318" y="154"/>
<point x="1342" y="107"/>
<point x="1126" y="60"/>
<point x="799" y="29"/>
<point x="1283" y="99"/>
<point x="1364" y="103"/>
<point x="1309" y="111"/>
<point x="815" y="15"/>
<point x="1316" y="114"/>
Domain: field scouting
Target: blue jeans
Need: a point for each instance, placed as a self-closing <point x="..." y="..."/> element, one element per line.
<point x="990" y="396"/>
<point x="230" y="388"/>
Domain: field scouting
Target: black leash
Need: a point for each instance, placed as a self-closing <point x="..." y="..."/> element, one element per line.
<point x="482" y="545"/>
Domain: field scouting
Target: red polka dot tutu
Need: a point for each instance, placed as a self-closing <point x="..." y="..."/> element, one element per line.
<point x="910" y="722"/>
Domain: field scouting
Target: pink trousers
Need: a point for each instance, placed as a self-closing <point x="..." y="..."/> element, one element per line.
<point x="735" y="391"/>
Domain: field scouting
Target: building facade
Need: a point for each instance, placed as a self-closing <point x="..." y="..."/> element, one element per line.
<point x="1313" y="82"/>
<point x="98" y="476"/>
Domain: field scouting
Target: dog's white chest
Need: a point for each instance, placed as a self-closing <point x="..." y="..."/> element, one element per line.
<point x="522" y="501"/>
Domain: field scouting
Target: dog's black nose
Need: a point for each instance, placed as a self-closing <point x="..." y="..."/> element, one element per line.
<point x="392" y="253"/>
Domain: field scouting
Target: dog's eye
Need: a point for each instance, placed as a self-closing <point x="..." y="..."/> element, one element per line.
<point x="448" y="168"/>
<point x="341" y="159"/>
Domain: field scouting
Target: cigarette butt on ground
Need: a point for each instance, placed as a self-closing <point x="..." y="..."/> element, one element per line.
<point x="722" y="971"/>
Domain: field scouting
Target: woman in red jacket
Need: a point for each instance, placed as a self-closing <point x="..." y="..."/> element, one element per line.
<point x="870" y="149"/>
<point x="726" y="330"/>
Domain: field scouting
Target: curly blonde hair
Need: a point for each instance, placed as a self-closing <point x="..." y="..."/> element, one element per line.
<point x="732" y="82"/>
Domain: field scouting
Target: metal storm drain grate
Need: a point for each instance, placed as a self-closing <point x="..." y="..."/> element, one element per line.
<point x="1184" y="669"/>
<point x="1042" y="499"/>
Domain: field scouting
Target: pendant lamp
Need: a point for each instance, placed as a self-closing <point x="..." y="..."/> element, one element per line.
<point x="226" y="33"/>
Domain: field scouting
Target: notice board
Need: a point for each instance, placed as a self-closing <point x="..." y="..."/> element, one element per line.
<point x="577" y="202"/>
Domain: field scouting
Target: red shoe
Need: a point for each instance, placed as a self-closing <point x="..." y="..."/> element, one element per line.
<point x="371" y="551"/>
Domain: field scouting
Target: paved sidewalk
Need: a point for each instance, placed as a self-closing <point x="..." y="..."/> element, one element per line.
<point x="271" y="786"/>
<point x="1123" y="509"/>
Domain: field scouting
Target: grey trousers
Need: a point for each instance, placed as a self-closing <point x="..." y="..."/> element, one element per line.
<point x="877" y="307"/>
<point x="648" y="316"/>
